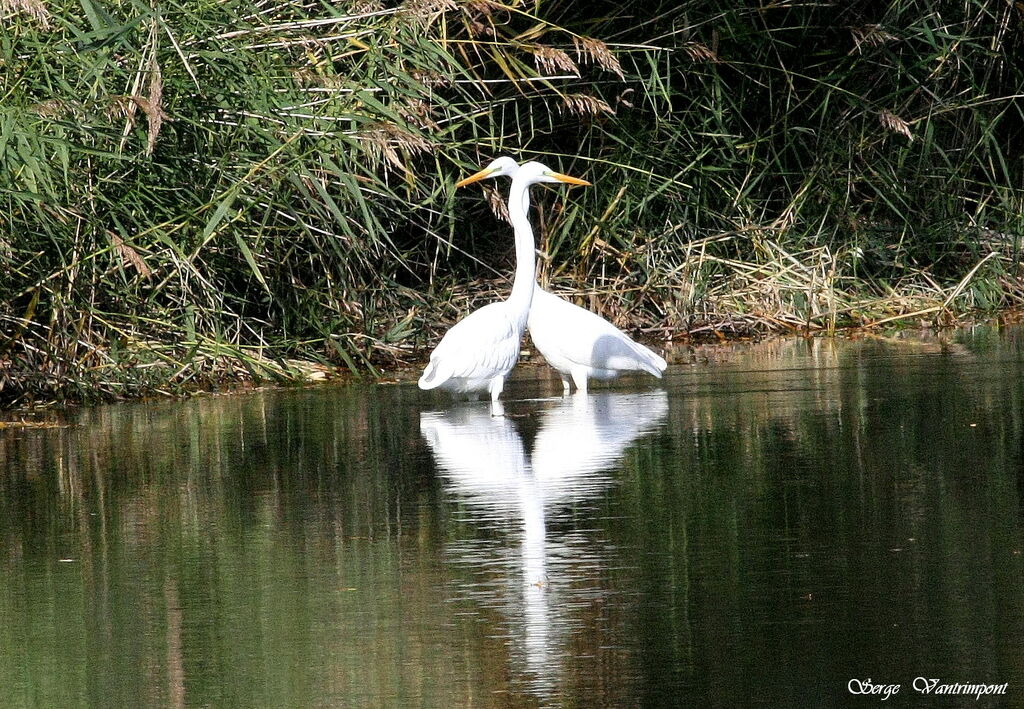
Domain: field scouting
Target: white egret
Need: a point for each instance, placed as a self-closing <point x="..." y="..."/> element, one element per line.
<point x="574" y="341"/>
<point x="482" y="348"/>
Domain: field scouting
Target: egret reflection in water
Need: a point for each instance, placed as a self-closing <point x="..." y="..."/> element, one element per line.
<point x="483" y="461"/>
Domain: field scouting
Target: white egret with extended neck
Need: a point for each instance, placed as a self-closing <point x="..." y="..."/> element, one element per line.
<point x="482" y="348"/>
<point x="577" y="343"/>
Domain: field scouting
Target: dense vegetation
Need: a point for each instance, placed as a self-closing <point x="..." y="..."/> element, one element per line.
<point x="197" y="190"/>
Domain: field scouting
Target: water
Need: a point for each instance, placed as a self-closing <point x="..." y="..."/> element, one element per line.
<point x="768" y="524"/>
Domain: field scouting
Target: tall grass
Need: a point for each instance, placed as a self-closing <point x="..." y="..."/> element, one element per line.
<point x="195" y="190"/>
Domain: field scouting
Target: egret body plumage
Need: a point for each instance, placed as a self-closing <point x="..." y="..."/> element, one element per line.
<point x="578" y="344"/>
<point x="479" y="351"/>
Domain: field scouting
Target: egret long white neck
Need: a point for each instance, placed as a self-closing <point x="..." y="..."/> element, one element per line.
<point x="519" y="215"/>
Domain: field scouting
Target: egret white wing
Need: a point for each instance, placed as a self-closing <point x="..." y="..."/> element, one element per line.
<point x="585" y="338"/>
<point x="483" y="344"/>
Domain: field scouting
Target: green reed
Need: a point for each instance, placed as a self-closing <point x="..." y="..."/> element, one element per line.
<point x="193" y="192"/>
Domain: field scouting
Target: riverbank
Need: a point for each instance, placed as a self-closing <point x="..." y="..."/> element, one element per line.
<point x="108" y="356"/>
<point x="152" y="369"/>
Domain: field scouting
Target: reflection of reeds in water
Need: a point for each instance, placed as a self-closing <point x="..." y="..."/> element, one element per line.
<point x="827" y="484"/>
<point x="253" y="549"/>
<point x="802" y="499"/>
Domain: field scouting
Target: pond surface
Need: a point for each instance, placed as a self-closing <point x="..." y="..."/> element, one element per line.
<point x="759" y="528"/>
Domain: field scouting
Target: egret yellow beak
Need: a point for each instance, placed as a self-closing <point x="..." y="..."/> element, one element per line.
<point x="475" y="177"/>
<point x="567" y="179"/>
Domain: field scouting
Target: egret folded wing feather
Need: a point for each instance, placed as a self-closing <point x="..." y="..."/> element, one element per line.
<point x="585" y="338"/>
<point x="483" y="343"/>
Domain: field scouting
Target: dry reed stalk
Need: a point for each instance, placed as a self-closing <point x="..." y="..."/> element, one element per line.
<point x="152" y="105"/>
<point x="35" y="9"/>
<point x="551" y="61"/>
<point x="424" y="12"/>
<point x="871" y="36"/>
<point x="418" y="113"/>
<point x="497" y="203"/>
<point x="384" y="140"/>
<point x="596" y="51"/>
<point x="429" y="78"/>
<point x="304" y="25"/>
<point x="585" y="105"/>
<point x="130" y="255"/>
<point x="698" y="52"/>
<point x="894" y="123"/>
<point x="479" y="17"/>
<point x="53" y="108"/>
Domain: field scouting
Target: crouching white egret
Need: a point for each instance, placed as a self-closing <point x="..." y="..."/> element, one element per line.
<point x="482" y="348"/>
<point x="575" y="342"/>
